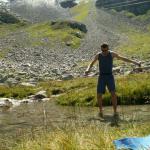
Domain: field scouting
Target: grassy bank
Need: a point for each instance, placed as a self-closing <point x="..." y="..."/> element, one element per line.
<point x="17" y="92"/>
<point x="131" y="89"/>
<point x="77" y="137"/>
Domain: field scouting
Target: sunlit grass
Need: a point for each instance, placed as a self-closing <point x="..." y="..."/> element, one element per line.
<point x="6" y="29"/>
<point x="131" y="89"/>
<point x="81" y="11"/>
<point x="39" y="32"/>
<point x="138" y="43"/>
<point x="17" y="92"/>
<point x="79" y="137"/>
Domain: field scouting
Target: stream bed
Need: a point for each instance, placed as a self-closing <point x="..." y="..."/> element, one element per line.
<point x="50" y="115"/>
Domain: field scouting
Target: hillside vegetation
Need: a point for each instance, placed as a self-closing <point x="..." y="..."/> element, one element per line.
<point x="47" y="34"/>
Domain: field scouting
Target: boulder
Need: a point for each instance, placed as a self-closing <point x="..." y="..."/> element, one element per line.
<point x="117" y="69"/>
<point x="27" y="84"/>
<point x="68" y="3"/>
<point x="67" y="77"/>
<point x="73" y="24"/>
<point x="39" y="95"/>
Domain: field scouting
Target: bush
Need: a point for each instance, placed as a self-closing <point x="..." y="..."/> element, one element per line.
<point x="6" y="17"/>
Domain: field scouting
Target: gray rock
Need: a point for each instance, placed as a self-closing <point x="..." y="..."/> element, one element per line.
<point x="5" y="103"/>
<point x="67" y="77"/>
<point x="40" y="95"/>
<point x="27" y="84"/>
<point x="22" y="73"/>
<point x="117" y="69"/>
<point x="68" y="3"/>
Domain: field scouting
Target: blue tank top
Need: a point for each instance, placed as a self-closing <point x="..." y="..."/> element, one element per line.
<point x="105" y="64"/>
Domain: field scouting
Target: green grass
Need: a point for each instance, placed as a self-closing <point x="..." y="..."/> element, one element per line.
<point x="17" y="92"/>
<point x="131" y="89"/>
<point x="128" y="14"/>
<point x="63" y="34"/>
<point x="138" y="43"/>
<point x="6" y="29"/>
<point x="4" y="52"/>
<point x="144" y="17"/>
<point x="76" y="137"/>
<point x="81" y="11"/>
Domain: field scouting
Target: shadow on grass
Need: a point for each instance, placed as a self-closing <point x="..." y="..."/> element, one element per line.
<point x="113" y="121"/>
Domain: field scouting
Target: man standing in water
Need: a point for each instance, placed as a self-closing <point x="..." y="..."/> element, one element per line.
<point x="106" y="78"/>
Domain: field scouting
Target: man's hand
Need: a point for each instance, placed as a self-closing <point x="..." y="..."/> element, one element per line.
<point x="91" y="64"/>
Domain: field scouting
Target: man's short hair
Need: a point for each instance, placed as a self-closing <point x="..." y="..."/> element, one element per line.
<point x="104" y="45"/>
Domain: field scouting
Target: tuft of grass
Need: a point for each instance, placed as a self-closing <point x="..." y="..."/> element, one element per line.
<point x="128" y="14"/>
<point x="17" y="92"/>
<point x="77" y="137"/>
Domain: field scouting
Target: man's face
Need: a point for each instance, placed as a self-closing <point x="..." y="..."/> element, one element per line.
<point x="105" y="50"/>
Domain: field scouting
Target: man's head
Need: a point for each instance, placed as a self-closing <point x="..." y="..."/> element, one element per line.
<point x="104" y="47"/>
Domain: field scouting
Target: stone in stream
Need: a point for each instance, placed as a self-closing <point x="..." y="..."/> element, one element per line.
<point x="39" y="95"/>
<point x="5" y="103"/>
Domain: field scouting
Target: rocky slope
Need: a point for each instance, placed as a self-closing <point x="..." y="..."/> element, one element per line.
<point x="26" y="59"/>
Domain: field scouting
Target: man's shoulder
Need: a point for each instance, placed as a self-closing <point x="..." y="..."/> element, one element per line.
<point x="113" y="53"/>
<point x="98" y="53"/>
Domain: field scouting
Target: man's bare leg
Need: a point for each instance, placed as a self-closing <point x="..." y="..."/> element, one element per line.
<point x="114" y="101"/>
<point x="99" y="100"/>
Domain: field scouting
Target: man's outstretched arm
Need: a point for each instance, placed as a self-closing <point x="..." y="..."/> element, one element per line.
<point x="125" y="59"/>
<point x="91" y="64"/>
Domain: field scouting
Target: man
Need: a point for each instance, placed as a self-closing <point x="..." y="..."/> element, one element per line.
<point x="106" y="78"/>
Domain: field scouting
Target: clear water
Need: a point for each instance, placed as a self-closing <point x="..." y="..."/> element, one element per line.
<point x="49" y="114"/>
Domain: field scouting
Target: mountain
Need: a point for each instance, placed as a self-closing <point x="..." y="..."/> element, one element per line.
<point x="137" y="7"/>
<point x="51" y="44"/>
